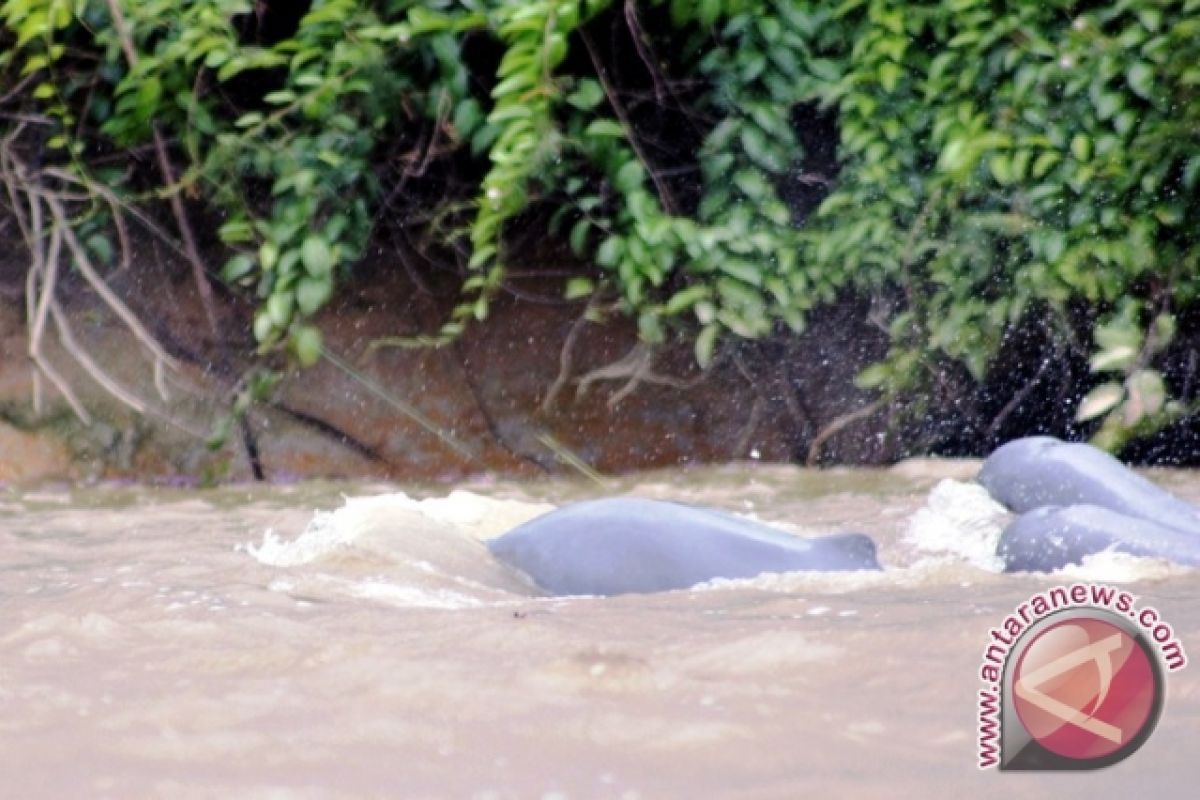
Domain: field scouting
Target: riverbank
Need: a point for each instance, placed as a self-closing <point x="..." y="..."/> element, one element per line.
<point x="536" y="390"/>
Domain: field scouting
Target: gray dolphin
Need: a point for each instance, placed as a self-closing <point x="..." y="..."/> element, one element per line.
<point x="624" y="545"/>
<point x="1047" y="539"/>
<point x="1075" y="500"/>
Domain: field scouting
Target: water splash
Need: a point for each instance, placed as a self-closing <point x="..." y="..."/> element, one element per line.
<point x="961" y="521"/>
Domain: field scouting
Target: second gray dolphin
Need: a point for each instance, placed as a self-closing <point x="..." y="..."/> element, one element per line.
<point x="1076" y="500"/>
<point x="1047" y="539"/>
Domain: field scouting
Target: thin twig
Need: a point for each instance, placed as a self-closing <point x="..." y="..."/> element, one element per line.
<point x="19" y="88"/>
<point x="566" y="358"/>
<point x="203" y="288"/>
<point x="571" y="459"/>
<point x="643" y="49"/>
<point x="1017" y="399"/>
<point x="836" y="426"/>
<point x="743" y="441"/>
<point x="664" y="192"/>
<point x="405" y="408"/>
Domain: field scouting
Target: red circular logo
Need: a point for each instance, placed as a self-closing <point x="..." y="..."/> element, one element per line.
<point x="1084" y="688"/>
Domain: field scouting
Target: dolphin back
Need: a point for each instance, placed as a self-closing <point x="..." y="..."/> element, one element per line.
<point x="1075" y="500"/>
<point x="623" y="545"/>
<point x="1041" y="471"/>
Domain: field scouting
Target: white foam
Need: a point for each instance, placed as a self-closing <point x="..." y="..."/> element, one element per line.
<point x="1110" y="566"/>
<point x="371" y="522"/>
<point x="931" y="571"/>
<point x="411" y="596"/>
<point x="960" y="520"/>
<point x="395" y="549"/>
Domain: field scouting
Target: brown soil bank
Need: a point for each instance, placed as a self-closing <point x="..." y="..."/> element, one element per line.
<point x="535" y="389"/>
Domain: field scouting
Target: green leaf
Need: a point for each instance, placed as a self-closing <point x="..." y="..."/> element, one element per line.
<point x="1109" y="104"/>
<point x="1081" y="147"/>
<point x="578" y="237"/>
<point x="468" y="116"/>
<point x="1001" y="168"/>
<point x="629" y="176"/>
<point x="708" y="11"/>
<point x="99" y="244"/>
<point x="1141" y="79"/>
<point x="601" y="128"/>
<point x="587" y="95"/>
<point x="268" y="255"/>
<point x="264" y="328"/>
<point x="956" y="156"/>
<point x="312" y="293"/>
<point x="742" y="269"/>
<point x="610" y="252"/>
<point x="1114" y="359"/>
<point x="874" y="376"/>
<point x="1147" y="395"/>
<point x="317" y="256"/>
<point x="279" y="309"/>
<point x="1044" y="163"/>
<point x="1100" y="401"/>
<point x="686" y="298"/>
<point x="761" y="150"/>
<point x="306" y="345"/>
<point x="235" y="231"/>
<point x="1164" y="327"/>
<point x="889" y="75"/>
<point x="1120" y="332"/>
<point x="650" y="328"/>
<point x="706" y="342"/>
<point x="579" y="287"/>
<point x="1191" y="170"/>
<point x="237" y="267"/>
<point x="280" y="98"/>
<point x="752" y="184"/>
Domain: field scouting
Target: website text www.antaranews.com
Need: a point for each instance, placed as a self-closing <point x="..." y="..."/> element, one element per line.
<point x="1078" y="595"/>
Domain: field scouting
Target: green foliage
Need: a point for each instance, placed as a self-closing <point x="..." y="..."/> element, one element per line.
<point x="1134" y="401"/>
<point x="997" y="157"/>
<point x="993" y="159"/>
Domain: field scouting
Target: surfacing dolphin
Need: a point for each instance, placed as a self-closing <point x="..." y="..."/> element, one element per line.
<point x="1075" y="500"/>
<point x="627" y="545"/>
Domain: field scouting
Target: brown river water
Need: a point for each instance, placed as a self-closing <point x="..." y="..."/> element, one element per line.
<point x="356" y="640"/>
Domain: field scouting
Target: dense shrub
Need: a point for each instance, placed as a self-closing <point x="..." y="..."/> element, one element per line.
<point x="995" y="160"/>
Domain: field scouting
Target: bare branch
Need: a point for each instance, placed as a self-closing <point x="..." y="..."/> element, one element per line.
<point x="836" y="426"/>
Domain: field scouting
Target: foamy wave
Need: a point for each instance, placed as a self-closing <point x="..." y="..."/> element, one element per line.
<point x="1110" y="566"/>
<point x="960" y="520"/>
<point x="319" y="539"/>
<point x="379" y="522"/>
<point x="324" y="588"/>
<point x="395" y="549"/>
<point x="931" y="571"/>
<point x="411" y="596"/>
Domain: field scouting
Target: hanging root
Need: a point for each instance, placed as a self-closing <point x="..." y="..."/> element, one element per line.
<point x="635" y="367"/>
<point x="40" y="212"/>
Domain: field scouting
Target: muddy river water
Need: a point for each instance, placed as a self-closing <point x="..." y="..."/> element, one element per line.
<point x="356" y="640"/>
